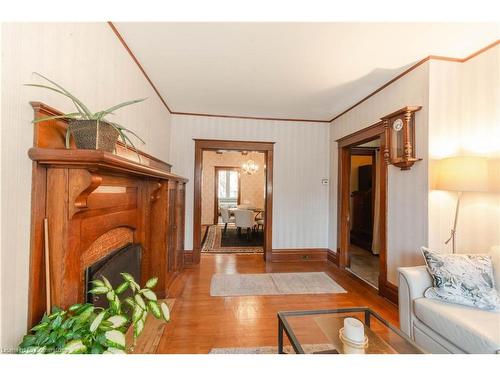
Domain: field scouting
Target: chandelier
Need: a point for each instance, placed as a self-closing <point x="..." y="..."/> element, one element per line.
<point x="250" y="167"/>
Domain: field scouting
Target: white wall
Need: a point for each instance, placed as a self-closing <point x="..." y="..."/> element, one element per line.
<point x="407" y="190"/>
<point x="464" y="119"/>
<point x="88" y="59"/>
<point x="300" y="201"/>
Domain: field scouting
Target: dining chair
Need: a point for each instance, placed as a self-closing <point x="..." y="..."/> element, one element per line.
<point x="260" y="223"/>
<point x="226" y="217"/>
<point x="244" y="219"/>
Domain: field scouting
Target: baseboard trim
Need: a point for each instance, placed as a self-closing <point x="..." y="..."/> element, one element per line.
<point x="388" y="290"/>
<point x="332" y="257"/>
<point x="299" y="255"/>
<point x="188" y="257"/>
<point x="286" y="255"/>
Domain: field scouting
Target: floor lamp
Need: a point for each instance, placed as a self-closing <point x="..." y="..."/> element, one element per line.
<point x="462" y="174"/>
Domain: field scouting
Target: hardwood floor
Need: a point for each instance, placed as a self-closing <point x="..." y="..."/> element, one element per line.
<point x="200" y="322"/>
<point x="364" y="264"/>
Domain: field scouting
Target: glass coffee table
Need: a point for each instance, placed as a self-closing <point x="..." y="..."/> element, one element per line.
<point x="317" y="332"/>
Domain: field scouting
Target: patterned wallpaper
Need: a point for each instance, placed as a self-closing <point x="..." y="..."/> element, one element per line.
<point x="252" y="186"/>
<point x="101" y="80"/>
<point x="300" y="200"/>
<point x="460" y="116"/>
<point x="407" y="190"/>
<point x="464" y="119"/>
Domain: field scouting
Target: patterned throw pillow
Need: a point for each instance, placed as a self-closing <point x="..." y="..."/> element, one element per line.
<point x="462" y="279"/>
<point x="495" y="259"/>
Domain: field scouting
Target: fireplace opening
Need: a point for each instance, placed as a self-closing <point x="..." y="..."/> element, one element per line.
<point x="126" y="259"/>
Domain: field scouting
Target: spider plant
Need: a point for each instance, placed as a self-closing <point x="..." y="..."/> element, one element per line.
<point x="84" y="113"/>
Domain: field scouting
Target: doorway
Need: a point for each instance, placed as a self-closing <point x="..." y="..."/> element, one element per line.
<point x="364" y="245"/>
<point x="362" y="197"/>
<point x="233" y="201"/>
<point x="259" y="210"/>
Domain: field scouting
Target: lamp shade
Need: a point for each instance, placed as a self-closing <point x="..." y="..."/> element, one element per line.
<point x="464" y="173"/>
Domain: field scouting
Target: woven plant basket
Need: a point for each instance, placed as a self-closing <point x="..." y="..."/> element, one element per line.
<point x="89" y="136"/>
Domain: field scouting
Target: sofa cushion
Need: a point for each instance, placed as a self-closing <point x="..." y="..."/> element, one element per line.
<point x="463" y="279"/>
<point x="431" y="341"/>
<point x="470" y="329"/>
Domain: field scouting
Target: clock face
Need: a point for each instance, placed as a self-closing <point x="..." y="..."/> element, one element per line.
<point x="397" y="125"/>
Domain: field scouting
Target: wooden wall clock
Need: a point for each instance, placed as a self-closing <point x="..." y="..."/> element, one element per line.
<point x="400" y="137"/>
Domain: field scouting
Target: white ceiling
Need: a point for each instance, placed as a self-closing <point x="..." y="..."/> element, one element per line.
<point x="287" y="70"/>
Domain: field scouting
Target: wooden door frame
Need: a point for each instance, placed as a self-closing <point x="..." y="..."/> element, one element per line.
<point x="267" y="148"/>
<point x="218" y="168"/>
<point x="372" y="132"/>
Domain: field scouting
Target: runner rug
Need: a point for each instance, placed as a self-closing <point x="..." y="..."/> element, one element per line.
<point x="224" y="285"/>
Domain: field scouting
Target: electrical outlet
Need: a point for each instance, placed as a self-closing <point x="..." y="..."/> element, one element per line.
<point x="324" y="181"/>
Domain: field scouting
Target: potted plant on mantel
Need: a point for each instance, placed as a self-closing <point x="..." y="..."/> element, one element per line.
<point x="90" y="130"/>
<point x="86" y="329"/>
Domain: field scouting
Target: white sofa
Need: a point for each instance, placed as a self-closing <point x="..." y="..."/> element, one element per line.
<point x="440" y="327"/>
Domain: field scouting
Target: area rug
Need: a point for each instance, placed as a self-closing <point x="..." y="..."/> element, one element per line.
<point x="224" y="285"/>
<point x="213" y="240"/>
<point x="231" y="238"/>
<point x="308" y="349"/>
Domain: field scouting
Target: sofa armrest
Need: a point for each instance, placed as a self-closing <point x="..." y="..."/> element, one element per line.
<point x="413" y="281"/>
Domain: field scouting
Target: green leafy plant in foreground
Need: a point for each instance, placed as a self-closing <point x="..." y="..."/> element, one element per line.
<point x="84" y="328"/>
<point x="84" y="113"/>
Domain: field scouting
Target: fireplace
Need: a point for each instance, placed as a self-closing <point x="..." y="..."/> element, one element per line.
<point x="126" y="259"/>
<point x="90" y="206"/>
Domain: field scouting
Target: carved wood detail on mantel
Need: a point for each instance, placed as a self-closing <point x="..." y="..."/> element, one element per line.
<point x="96" y="202"/>
<point x="95" y="182"/>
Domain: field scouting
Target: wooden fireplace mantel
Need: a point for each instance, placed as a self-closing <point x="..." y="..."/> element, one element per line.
<point x="50" y="135"/>
<point x="97" y="161"/>
<point x="95" y="202"/>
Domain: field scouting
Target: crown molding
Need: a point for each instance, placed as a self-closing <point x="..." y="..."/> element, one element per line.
<point x="122" y="41"/>
<point x="141" y="68"/>
<point x="416" y="65"/>
<point x="250" y="117"/>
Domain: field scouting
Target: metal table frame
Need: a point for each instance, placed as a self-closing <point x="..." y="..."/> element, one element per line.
<point x="283" y="325"/>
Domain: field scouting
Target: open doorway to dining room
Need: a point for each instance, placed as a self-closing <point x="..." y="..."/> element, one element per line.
<point x="232" y="197"/>
<point x="232" y="201"/>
